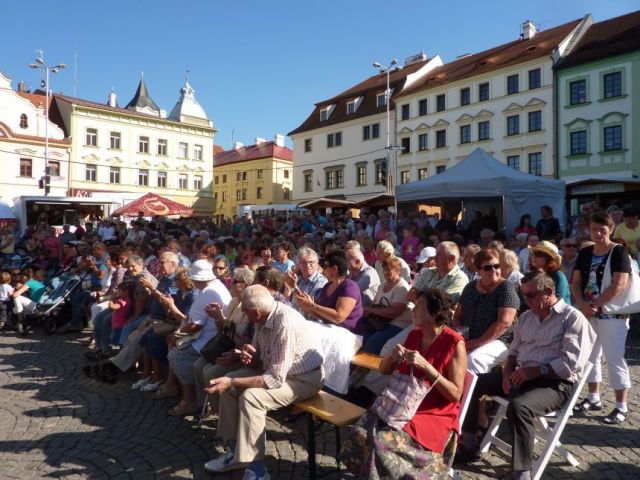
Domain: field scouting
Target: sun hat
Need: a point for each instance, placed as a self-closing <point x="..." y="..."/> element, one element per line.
<point x="425" y="254"/>
<point x="201" y="271"/>
<point x="522" y="237"/>
<point x="549" y="249"/>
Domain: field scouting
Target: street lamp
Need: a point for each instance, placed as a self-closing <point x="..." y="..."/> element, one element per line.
<point x="42" y="66"/>
<point x="387" y="99"/>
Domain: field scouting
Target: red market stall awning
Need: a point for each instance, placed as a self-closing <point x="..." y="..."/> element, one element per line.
<point x="151" y="205"/>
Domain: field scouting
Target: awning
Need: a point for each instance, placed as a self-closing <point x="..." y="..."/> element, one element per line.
<point x="6" y="214"/>
<point x="150" y="205"/>
<point x="378" y="200"/>
<point x="326" y="202"/>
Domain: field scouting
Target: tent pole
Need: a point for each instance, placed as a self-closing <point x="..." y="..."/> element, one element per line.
<point x="504" y="216"/>
<point x="462" y="212"/>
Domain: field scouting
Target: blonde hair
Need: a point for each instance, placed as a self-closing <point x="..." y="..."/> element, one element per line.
<point x="510" y="259"/>
<point x="5" y="277"/>
<point x="182" y="274"/>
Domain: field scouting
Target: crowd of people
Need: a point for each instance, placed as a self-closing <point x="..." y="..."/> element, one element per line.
<point x="256" y="313"/>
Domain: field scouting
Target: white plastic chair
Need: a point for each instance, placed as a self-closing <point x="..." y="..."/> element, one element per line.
<point x="549" y="428"/>
<point x="470" y="380"/>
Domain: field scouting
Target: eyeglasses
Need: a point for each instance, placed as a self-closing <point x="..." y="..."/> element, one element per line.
<point x="530" y="295"/>
<point x="305" y="262"/>
<point x="219" y="268"/>
<point x="236" y="281"/>
<point x="488" y="268"/>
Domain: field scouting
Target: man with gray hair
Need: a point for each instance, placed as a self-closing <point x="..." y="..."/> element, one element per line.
<point x="385" y="250"/>
<point x="362" y="273"/>
<point x="283" y="364"/>
<point x="310" y="281"/>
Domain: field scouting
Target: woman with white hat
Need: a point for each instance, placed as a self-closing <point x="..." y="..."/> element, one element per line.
<point x="545" y="258"/>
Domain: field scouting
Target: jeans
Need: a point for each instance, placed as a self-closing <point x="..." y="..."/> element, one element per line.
<point x="130" y="327"/>
<point x="374" y="341"/>
<point x="80" y="300"/>
<point x="102" y="329"/>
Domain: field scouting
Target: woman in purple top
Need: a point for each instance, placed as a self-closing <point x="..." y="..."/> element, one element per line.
<point x="339" y="301"/>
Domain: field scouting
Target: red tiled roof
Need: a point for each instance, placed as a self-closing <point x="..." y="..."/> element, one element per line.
<point x="38" y="99"/>
<point x="519" y="51"/>
<point x="217" y="149"/>
<point x="253" y="152"/>
<point x="605" y="39"/>
<point x="368" y="89"/>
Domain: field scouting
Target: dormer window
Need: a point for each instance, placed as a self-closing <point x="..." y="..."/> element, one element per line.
<point x="381" y="100"/>
<point x="351" y="107"/>
<point x="24" y="123"/>
<point x="325" y="113"/>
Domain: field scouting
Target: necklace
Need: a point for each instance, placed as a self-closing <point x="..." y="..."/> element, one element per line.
<point x="424" y="346"/>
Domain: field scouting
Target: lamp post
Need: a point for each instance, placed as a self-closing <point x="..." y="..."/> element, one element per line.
<point x="391" y="186"/>
<point x="42" y="66"/>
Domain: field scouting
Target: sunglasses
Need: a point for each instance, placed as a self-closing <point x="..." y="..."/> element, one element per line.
<point x="488" y="268"/>
<point x="219" y="268"/>
<point x="531" y="295"/>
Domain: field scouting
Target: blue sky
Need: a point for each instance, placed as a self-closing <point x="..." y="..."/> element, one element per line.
<point x="257" y="66"/>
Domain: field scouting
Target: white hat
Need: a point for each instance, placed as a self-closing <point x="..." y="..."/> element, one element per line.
<point x="201" y="271"/>
<point x="425" y="254"/>
<point x="329" y="235"/>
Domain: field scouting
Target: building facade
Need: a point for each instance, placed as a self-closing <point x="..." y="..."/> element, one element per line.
<point x="259" y="174"/>
<point x="22" y="145"/>
<point x="599" y="110"/>
<point x="501" y="100"/>
<point x="124" y="153"/>
<point x="340" y="149"/>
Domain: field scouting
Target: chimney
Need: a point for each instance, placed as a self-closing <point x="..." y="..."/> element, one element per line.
<point x="113" y="99"/>
<point x="260" y="140"/>
<point x="279" y="140"/>
<point x="237" y="145"/>
<point x="528" y="30"/>
<point x="22" y="88"/>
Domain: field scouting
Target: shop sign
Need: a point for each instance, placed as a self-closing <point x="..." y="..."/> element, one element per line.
<point x="596" y="188"/>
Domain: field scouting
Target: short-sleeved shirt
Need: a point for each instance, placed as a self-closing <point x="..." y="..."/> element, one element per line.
<point x="284" y="266"/>
<point x="140" y="292"/>
<point x="166" y="286"/>
<point x="348" y="288"/>
<point x="562" y="286"/>
<point x="397" y="294"/>
<point x="36" y="289"/>
<point x="480" y="310"/>
<point x="215" y="292"/>
<point x="369" y="282"/>
<point x="119" y="317"/>
<point x="629" y="235"/>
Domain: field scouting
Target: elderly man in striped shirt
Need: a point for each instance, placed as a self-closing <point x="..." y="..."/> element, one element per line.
<point x="283" y="364"/>
<point x="551" y="344"/>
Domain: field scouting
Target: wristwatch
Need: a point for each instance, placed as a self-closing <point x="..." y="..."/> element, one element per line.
<point x="232" y="385"/>
<point x="544" y="370"/>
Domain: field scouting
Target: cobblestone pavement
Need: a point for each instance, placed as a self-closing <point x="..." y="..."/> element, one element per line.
<point x="56" y="423"/>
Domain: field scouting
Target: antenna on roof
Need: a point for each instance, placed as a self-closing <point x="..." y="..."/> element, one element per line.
<point x="186" y="76"/>
<point x="75" y="72"/>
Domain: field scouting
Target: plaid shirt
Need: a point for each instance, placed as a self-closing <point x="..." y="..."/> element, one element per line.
<point x="286" y="345"/>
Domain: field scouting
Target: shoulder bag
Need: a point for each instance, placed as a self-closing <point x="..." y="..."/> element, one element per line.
<point x="629" y="300"/>
<point x="377" y="322"/>
<point x="221" y="343"/>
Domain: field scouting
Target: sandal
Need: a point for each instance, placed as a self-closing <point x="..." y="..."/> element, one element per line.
<point x="165" y="392"/>
<point x="587" y="405"/>
<point x="183" y="409"/>
<point x="615" y="417"/>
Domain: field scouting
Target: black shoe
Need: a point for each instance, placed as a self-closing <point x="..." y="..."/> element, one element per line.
<point x="464" y="455"/>
<point x="587" y="405"/>
<point x="615" y="417"/>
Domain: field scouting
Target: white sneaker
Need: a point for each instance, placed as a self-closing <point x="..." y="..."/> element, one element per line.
<point x="151" y="387"/>
<point x="224" y="463"/>
<point x="140" y="383"/>
<point x="251" y="475"/>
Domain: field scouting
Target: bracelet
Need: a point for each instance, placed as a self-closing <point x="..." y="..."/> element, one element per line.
<point x="232" y="385"/>
<point x="436" y="380"/>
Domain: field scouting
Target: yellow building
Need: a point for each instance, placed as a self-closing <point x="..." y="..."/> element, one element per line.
<point x="259" y="174"/>
<point x="123" y="153"/>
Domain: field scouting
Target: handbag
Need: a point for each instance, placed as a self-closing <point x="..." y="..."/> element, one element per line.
<point x="183" y="340"/>
<point x="162" y="328"/>
<point x="629" y="300"/>
<point x="221" y="343"/>
<point x="399" y="401"/>
<point x="378" y="322"/>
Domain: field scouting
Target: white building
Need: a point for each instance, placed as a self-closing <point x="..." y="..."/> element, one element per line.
<point x="340" y="149"/>
<point x="501" y="100"/>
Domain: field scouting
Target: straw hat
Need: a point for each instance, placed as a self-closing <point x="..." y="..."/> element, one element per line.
<point x="549" y="249"/>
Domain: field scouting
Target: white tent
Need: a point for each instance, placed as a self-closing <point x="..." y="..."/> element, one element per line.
<point x="480" y="177"/>
<point x="6" y="213"/>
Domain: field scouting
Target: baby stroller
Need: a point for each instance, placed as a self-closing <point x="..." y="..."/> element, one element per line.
<point x="18" y="260"/>
<point x="54" y="307"/>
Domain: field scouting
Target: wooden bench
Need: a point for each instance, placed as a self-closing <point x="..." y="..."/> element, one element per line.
<point x="367" y="360"/>
<point x="331" y="409"/>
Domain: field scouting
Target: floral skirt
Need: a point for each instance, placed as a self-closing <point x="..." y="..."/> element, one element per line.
<point x="373" y="450"/>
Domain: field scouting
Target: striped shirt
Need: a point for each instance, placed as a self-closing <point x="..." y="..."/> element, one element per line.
<point x="563" y="340"/>
<point x="286" y="345"/>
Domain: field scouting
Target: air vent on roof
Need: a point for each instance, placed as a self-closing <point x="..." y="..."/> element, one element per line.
<point x="421" y="57"/>
<point x="530" y="49"/>
<point x="463" y="55"/>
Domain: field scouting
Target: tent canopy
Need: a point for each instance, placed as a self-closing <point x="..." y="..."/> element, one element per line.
<point x="6" y="213"/>
<point x="480" y="176"/>
<point x="327" y="202"/>
<point x="150" y="205"/>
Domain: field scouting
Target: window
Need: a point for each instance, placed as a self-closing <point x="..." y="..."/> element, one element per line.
<point x="238" y="176"/>
<point x="578" y="92"/>
<point x="534" y="78"/>
<point x="484" y="130"/>
<point x="143" y="145"/>
<point x="513" y="161"/>
<point x="162" y="179"/>
<point x="24" y="123"/>
<point x="197" y="152"/>
<point x="422" y="173"/>
<point x="334" y="139"/>
<point x="578" y="142"/>
<point x="440" y="102"/>
<point x="238" y="195"/>
<point x="423" y="142"/>
<point x="351" y="107"/>
<point x="422" y="107"/>
<point x="340" y="178"/>
<point x="366" y="132"/>
<point x="375" y="130"/>
<point x="404" y="176"/>
<point x="143" y="177"/>
<point x="308" y="182"/>
<point x="440" y="169"/>
<point x="405" y="111"/>
<point x="465" y="96"/>
<point x="483" y="92"/>
<point x="381" y="100"/>
<point x="324" y="113"/>
<point x="535" y="121"/>
<point x="513" y="125"/>
<point x="286" y="193"/>
<point x="381" y="172"/>
<point x="162" y="147"/>
<point x="535" y="163"/>
<point x="216" y="179"/>
<point x="224" y="178"/>
<point x="513" y="84"/>
<point x="114" y="140"/>
<point x="361" y="175"/>
<point x="259" y="193"/>
<point x="90" y="173"/>
<point x="441" y="139"/>
<point x="465" y="134"/>
<point x="613" y="138"/>
<point x="307" y="145"/>
<point x="224" y="197"/>
<point x="114" y="174"/>
<point x="406" y="145"/>
<point x="26" y="167"/>
<point x="260" y="174"/>
<point x="286" y="173"/>
<point x="54" y="168"/>
<point x="183" y="150"/>
<point x="334" y="179"/>
<point x="613" y="85"/>
<point x="91" y="137"/>
<point x="197" y="182"/>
